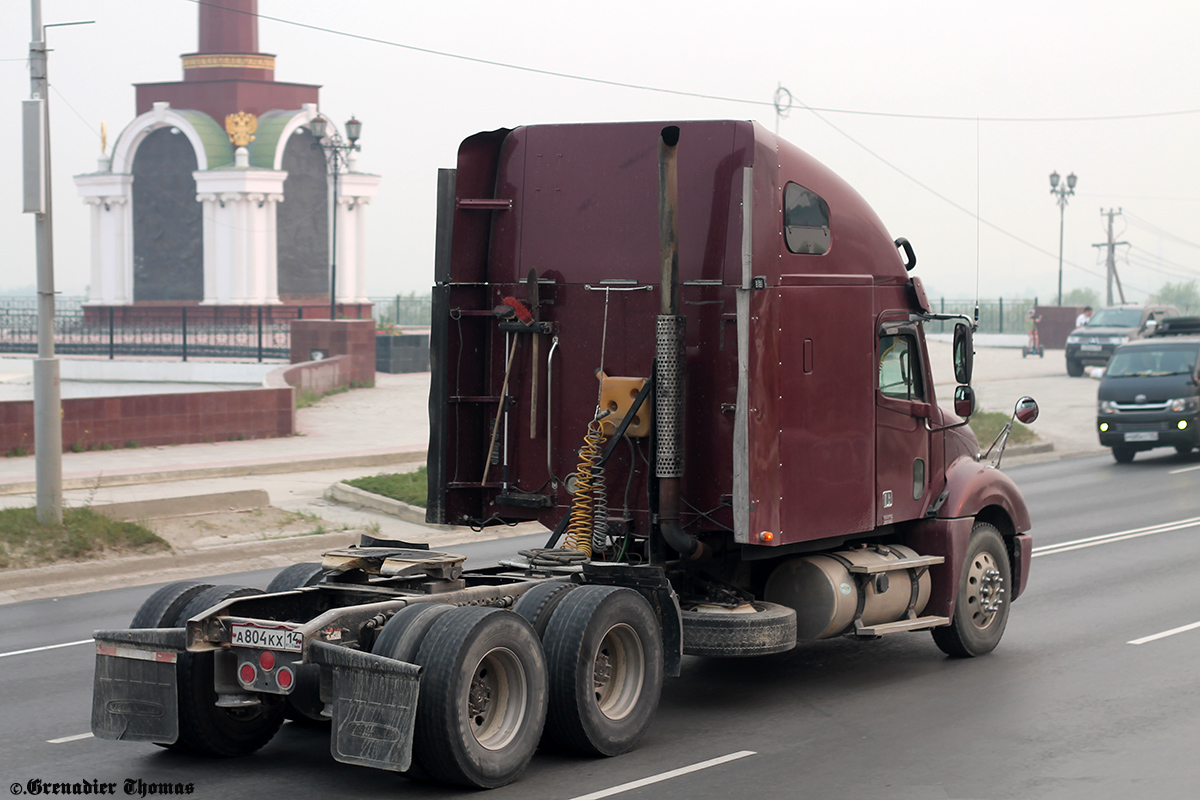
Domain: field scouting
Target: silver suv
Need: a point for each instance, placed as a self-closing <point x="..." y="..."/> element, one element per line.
<point x="1108" y="329"/>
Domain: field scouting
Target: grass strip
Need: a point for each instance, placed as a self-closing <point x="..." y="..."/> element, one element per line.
<point x="407" y="487"/>
<point x="84" y="534"/>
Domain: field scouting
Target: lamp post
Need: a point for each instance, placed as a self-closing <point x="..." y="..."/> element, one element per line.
<point x="1062" y="193"/>
<point x="337" y="157"/>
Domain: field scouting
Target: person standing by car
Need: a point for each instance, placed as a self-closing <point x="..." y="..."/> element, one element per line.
<point x="1083" y="317"/>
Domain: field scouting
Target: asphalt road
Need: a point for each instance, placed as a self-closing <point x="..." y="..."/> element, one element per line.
<point x="1077" y="702"/>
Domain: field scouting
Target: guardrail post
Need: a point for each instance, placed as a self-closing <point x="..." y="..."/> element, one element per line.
<point x="184" y="310"/>
<point x="112" y="349"/>
<point x="260" y="335"/>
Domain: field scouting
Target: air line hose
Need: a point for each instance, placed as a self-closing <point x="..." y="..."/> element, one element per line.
<point x="589" y="505"/>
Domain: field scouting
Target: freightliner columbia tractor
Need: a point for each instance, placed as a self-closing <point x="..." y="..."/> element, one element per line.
<point x="696" y="356"/>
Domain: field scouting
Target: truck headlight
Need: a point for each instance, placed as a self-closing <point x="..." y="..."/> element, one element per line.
<point x="1107" y="407"/>
<point x="1184" y="405"/>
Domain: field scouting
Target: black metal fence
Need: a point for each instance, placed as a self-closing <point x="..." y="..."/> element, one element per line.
<point x="405" y="311"/>
<point x="162" y="332"/>
<point x="1001" y="315"/>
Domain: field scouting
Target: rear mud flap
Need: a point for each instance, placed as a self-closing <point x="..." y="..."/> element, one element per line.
<point x="374" y="707"/>
<point x="134" y="690"/>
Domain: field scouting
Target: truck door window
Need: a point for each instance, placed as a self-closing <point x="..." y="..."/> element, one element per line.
<point x="805" y="221"/>
<point x="900" y="367"/>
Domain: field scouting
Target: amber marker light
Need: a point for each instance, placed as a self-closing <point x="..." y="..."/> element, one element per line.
<point x="766" y="536"/>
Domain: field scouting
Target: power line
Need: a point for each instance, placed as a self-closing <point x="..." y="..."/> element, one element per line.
<point x="1157" y="230"/>
<point x="697" y="95"/>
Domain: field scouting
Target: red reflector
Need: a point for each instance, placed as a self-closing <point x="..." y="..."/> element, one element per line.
<point x="266" y="660"/>
<point x="284" y="677"/>
<point x="247" y="674"/>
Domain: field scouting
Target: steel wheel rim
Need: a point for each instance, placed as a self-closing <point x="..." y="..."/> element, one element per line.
<point x="496" y="698"/>
<point x="618" y="672"/>
<point x="985" y="590"/>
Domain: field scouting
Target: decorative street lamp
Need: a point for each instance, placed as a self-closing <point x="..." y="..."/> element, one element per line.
<point x="1062" y="192"/>
<point x="337" y="157"/>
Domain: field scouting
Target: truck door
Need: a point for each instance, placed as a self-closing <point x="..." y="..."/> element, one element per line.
<point x="902" y="439"/>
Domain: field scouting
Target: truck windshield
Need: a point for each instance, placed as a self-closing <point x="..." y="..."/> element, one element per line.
<point x="1144" y="361"/>
<point x="1116" y="318"/>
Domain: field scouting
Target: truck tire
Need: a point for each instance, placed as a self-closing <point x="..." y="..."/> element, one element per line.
<point x="401" y="637"/>
<point x="981" y="611"/>
<point x="203" y="727"/>
<point x="770" y="629"/>
<point x="297" y="576"/>
<point x="1124" y="454"/>
<point x="538" y="604"/>
<point x="161" y="609"/>
<point x="483" y="697"/>
<point x="1074" y="367"/>
<point x="605" y="658"/>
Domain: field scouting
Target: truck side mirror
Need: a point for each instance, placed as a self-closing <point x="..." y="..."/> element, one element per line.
<point x="964" y="352"/>
<point x="1026" y="410"/>
<point x="964" y="401"/>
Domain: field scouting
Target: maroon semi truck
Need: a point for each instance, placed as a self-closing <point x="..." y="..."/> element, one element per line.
<point x="697" y="357"/>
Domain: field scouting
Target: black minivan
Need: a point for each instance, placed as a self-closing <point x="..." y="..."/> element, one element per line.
<point x="1150" y="394"/>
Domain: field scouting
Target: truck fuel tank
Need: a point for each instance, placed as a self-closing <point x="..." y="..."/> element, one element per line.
<point x="884" y="582"/>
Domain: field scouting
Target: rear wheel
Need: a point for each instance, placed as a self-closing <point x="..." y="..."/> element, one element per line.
<point x="162" y="608"/>
<point x="483" y="697"/>
<point x="296" y="576"/>
<point x="981" y="611"/>
<point x="203" y="726"/>
<point x="1074" y="367"/>
<point x="1184" y="449"/>
<point x="1124" y="455"/>
<point x="537" y="605"/>
<point x="605" y="657"/>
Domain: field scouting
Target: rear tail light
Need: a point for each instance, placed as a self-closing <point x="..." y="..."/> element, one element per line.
<point x="266" y="660"/>
<point x="285" y="678"/>
<point x="247" y="674"/>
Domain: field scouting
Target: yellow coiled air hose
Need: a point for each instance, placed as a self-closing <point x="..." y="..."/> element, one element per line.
<point x="588" y="479"/>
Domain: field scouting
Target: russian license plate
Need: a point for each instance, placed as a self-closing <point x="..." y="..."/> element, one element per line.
<point x="1091" y="348"/>
<point x="1142" y="436"/>
<point x="267" y="638"/>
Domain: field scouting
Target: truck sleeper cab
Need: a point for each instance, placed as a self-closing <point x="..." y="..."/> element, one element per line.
<point x="696" y="356"/>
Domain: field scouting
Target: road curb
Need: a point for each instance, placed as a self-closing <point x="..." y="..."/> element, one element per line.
<point x="229" y="471"/>
<point x="353" y="496"/>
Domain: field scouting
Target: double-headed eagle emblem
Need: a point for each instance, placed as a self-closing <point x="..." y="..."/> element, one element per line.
<point x="241" y="127"/>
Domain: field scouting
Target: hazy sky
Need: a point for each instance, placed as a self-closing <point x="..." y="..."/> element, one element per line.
<point x="1004" y="69"/>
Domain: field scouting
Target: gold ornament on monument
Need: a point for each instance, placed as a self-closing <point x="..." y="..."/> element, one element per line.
<point x="241" y="127"/>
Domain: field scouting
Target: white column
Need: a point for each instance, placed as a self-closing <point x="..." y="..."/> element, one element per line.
<point x="239" y="234"/>
<point x="109" y="195"/>
<point x="355" y="193"/>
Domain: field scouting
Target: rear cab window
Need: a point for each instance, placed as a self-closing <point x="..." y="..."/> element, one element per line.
<point x="805" y="221"/>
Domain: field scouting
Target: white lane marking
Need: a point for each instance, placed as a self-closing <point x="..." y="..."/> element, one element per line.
<point x="1182" y="469"/>
<point x="1119" y="536"/>
<point x="66" y="739"/>
<point x="47" y="647"/>
<point x="1155" y="637"/>
<point x="664" y="776"/>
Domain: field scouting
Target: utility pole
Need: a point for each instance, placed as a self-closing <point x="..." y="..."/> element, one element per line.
<point x="47" y="399"/>
<point x="1111" y="272"/>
